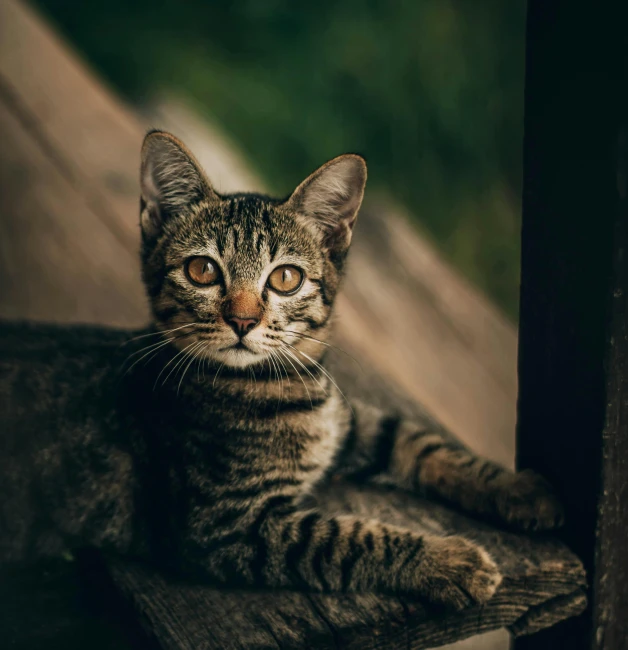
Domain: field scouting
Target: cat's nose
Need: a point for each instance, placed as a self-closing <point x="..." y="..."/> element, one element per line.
<point x="243" y="311"/>
<point x="242" y="326"/>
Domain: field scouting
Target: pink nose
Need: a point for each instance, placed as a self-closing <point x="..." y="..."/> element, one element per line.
<point x="242" y="326"/>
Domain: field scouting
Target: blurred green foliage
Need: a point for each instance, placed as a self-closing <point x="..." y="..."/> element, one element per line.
<point x="430" y="91"/>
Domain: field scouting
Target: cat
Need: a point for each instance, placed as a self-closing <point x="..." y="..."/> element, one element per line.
<point x="206" y="469"/>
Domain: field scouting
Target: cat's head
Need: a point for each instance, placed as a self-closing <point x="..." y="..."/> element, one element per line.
<point x="241" y="279"/>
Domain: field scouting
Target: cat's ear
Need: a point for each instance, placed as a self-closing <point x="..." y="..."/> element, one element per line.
<point x="331" y="197"/>
<point x="170" y="180"/>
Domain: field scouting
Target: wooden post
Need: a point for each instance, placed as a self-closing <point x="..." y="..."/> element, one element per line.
<point x="573" y="350"/>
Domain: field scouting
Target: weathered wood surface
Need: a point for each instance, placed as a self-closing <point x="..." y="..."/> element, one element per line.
<point x="68" y="252"/>
<point x="538" y="572"/>
<point x="574" y="301"/>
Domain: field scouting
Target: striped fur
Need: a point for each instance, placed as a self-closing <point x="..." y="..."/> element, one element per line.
<point x="197" y="447"/>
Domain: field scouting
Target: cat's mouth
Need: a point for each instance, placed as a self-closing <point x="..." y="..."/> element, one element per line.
<point x="239" y="355"/>
<point x="240" y="345"/>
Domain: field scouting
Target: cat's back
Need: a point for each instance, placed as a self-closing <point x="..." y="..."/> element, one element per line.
<point x="26" y="341"/>
<point x="45" y="368"/>
<point x="60" y="428"/>
<point x="54" y="375"/>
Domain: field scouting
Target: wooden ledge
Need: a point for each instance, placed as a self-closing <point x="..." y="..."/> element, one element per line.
<point x="543" y="584"/>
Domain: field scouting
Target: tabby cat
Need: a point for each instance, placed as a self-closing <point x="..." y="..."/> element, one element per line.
<point x="205" y="468"/>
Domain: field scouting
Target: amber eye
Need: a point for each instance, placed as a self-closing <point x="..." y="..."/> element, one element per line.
<point x="285" y="279"/>
<point x="202" y="270"/>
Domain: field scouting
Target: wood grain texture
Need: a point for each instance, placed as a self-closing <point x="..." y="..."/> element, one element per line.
<point x="543" y="584"/>
<point x="92" y="137"/>
<point x="427" y="333"/>
<point x="58" y="260"/>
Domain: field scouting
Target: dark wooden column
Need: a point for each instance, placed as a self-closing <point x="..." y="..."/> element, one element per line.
<point x="573" y="351"/>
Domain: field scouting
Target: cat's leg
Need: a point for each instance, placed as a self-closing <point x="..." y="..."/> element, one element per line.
<point x="428" y="460"/>
<point x="307" y="550"/>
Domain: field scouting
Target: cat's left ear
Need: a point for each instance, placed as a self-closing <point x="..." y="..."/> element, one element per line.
<point x="171" y="179"/>
<point x="331" y="197"/>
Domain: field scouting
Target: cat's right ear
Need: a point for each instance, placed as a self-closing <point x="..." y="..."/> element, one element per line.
<point x="171" y="179"/>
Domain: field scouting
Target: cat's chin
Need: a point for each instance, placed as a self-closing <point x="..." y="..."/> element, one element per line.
<point x="239" y="357"/>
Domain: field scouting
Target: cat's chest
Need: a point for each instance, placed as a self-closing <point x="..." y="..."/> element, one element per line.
<point x="307" y="445"/>
<point x="301" y="445"/>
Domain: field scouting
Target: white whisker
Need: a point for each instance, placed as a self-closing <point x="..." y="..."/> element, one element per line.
<point x="217" y="373"/>
<point x="179" y="364"/>
<point x="272" y="360"/>
<point x="191" y="354"/>
<point x="309" y="372"/>
<point x="158" y="333"/>
<point x="152" y="349"/>
<point x="335" y="348"/>
<point x="283" y="365"/>
<point x="279" y="368"/>
<point x="324" y="371"/>
<point x="181" y="352"/>
<point x="289" y="360"/>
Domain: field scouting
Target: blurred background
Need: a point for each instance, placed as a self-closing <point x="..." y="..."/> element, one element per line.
<point x="430" y="91"/>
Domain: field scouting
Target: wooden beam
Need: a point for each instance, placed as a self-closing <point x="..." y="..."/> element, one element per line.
<point x="573" y="355"/>
<point x="542" y="585"/>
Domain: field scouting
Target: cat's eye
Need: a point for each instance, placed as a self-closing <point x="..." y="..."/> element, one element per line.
<point x="202" y="271"/>
<point x="285" y="279"/>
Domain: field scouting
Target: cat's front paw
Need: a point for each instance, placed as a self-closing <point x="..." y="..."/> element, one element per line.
<point x="457" y="573"/>
<point x="527" y="501"/>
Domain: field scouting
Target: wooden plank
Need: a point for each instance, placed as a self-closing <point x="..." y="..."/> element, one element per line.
<point x="537" y="571"/>
<point x="392" y="306"/>
<point x="58" y="261"/>
<point x="573" y="411"/>
<point x="93" y="137"/>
